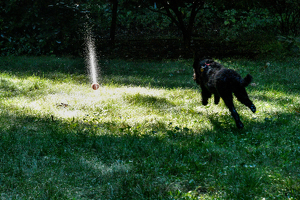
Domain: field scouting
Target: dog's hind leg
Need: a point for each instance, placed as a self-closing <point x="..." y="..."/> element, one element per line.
<point x="242" y="96"/>
<point x="228" y="100"/>
<point x="216" y="98"/>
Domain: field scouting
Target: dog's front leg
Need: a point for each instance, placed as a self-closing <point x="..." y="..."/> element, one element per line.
<point x="205" y="96"/>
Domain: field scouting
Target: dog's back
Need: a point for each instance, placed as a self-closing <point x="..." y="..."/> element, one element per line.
<point x="231" y="78"/>
<point x="210" y="74"/>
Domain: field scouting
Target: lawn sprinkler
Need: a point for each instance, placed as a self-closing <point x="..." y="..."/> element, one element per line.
<point x="95" y="86"/>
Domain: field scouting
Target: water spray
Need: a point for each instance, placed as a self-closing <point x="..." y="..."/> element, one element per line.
<point x="92" y="60"/>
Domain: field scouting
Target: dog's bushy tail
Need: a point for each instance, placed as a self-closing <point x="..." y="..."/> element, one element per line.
<point x="247" y="80"/>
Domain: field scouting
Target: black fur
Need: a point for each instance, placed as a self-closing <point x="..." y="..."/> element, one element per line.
<point x="214" y="79"/>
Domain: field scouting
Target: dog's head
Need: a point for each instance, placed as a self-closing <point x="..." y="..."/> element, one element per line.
<point x="202" y="64"/>
<point x="205" y="64"/>
<point x="201" y="67"/>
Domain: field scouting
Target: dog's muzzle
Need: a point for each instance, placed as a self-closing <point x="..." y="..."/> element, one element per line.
<point x="204" y="67"/>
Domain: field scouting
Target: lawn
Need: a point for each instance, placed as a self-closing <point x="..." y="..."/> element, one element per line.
<point x="144" y="134"/>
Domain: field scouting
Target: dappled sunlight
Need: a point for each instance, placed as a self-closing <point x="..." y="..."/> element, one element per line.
<point x="277" y="102"/>
<point x="152" y="138"/>
<point x="138" y="105"/>
<point x="134" y="104"/>
<point x="66" y="100"/>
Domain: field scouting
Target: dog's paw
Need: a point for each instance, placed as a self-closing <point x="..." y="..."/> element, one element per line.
<point x="253" y="108"/>
<point x="217" y="100"/>
<point x="204" y="102"/>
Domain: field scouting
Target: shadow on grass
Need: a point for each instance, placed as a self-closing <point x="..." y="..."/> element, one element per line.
<point x="41" y="66"/>
<point x="41" y="158"/>
<point x="46" y="159"/>
<point x="148" y="100"/>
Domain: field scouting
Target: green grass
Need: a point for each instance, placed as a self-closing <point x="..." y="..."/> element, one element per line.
<point x="144" y="133"/>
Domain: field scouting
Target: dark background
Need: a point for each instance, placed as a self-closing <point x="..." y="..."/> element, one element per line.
<point x="147" y="29"/>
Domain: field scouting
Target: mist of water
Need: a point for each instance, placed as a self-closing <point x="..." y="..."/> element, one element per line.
<point x="91" y="58"/>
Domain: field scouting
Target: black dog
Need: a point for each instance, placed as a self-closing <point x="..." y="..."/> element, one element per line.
<point x="213" y="78"/>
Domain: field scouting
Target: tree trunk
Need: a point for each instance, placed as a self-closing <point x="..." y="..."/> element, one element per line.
<point x="113" y="22"/>
<point x="179" y="19"/>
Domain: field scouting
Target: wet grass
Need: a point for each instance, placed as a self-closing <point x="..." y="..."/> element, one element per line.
<point x="144" y="133"/>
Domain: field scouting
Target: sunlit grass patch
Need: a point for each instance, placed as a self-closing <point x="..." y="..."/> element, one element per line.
<point x="144" y="133"/>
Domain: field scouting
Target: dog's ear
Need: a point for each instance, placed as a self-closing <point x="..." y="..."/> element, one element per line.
<point x="209" y="60"/>
<point x="216" y="65"/>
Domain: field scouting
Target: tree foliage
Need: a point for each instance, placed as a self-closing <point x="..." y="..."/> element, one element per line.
<point x="287" y="14"/>
<point x="181" y="13"/>
<point x="40" y="27"/>
<point x="58" y="27"/>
